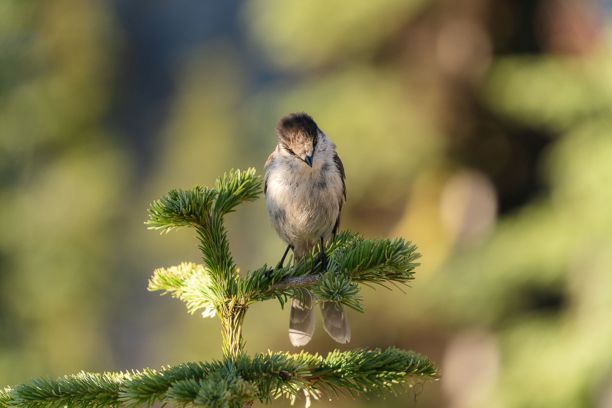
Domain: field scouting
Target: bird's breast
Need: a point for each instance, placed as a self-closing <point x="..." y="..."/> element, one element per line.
<point x="303" y="202"/>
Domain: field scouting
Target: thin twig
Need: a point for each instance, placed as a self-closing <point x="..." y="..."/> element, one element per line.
<point x="297" y="282"/>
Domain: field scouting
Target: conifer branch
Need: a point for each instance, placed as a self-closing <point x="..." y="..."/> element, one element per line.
<point x="352" y="260"/>
<point x="358" y="261"/>
<point x="190" y="283"/>
<point x="230" y="383"/>
<point x="84" y="390"/>
<point x="216" y="288"/>
<point x="203" y="208"/>
<point x="5" y="397"/>
<point x="296" y="282"/>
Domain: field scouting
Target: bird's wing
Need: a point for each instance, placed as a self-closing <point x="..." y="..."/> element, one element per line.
<point x="342" y="199"/>
<point x="267" y="169"/>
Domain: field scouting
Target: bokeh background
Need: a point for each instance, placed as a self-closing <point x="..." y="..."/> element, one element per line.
<point x="480" y="130"/>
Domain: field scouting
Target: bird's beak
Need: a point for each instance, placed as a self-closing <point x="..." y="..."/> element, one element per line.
<point x="308" y="160"/>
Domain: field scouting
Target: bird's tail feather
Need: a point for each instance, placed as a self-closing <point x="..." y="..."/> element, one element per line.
<point x="335" y="322"/>
<point x="301" y="320"/>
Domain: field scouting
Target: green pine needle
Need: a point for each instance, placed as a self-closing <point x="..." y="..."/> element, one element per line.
<point x="230" y="383"/>
<point x="84" y="389"/>
<point x="217" y="288"/>
<point x="190" y="283"/>
<point x="352" y="260"/>
<point x="5" y="397"/>
<point x="236" y="187"/>
<point x="180" y="208"/>
<point x="335" y="287"/>
<point x="149" y="386"/>
<point x="203" y="208"/>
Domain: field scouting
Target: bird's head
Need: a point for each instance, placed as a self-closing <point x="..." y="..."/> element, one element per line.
<point x="298" y="135"/>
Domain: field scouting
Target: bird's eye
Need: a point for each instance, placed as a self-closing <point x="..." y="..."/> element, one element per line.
<point x="290" y="151"/>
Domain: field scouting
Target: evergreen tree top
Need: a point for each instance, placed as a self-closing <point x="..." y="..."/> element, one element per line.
<point x="216" y="288"/>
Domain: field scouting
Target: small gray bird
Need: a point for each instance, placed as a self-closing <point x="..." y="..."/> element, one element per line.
<point x="305" y="190"/>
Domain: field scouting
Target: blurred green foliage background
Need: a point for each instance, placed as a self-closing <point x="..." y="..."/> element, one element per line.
<point x="479" y="129"/>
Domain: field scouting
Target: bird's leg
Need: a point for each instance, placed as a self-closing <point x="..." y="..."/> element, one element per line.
<point x="322" y="255"/>
<point x="282" y="261"/>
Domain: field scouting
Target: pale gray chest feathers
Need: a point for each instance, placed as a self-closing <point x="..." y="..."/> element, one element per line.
<point x="304" y="203"/>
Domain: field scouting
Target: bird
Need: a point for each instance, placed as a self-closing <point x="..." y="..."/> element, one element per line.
<point x="305" y="189"/>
